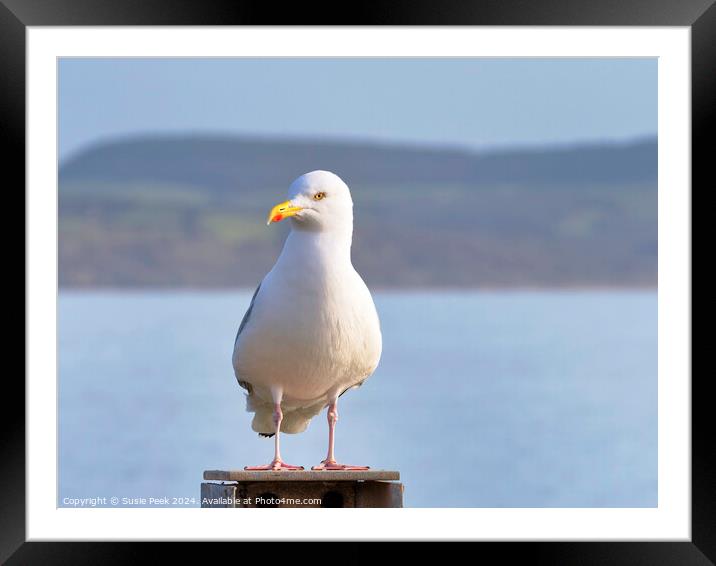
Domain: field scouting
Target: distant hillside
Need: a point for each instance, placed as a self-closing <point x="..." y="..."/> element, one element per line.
<point x="190" y="211"/>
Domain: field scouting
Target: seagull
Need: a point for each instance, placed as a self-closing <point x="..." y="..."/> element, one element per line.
<point x="312" y="331"/>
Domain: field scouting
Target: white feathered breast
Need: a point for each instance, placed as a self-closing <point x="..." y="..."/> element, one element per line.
<point x="313" y="327"/>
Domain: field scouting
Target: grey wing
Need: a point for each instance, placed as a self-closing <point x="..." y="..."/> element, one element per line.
<point x="245" y="384"/>
<point x="247" y="316"/>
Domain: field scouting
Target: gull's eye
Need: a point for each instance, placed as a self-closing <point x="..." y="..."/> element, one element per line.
<point x="319" y="196"/>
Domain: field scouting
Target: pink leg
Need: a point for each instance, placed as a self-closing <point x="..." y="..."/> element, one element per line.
<point x="277" y="464"/>
<point x="330" y="462"/>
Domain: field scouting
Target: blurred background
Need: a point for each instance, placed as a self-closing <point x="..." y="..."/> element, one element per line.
<point x="505" y="220"/>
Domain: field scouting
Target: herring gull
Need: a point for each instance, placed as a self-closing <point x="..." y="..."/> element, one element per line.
<point x="311" y="332"/>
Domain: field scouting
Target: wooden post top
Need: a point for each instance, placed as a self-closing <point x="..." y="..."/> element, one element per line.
<point x="302" y="475"/>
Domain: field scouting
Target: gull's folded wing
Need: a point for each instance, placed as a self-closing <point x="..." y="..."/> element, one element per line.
<point x="245" y="321"/>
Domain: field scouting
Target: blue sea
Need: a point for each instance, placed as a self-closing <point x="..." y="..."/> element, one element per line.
<point x="481" y="399"/>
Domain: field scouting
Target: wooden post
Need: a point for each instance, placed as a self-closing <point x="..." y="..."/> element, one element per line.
<point x="242" y="489"/>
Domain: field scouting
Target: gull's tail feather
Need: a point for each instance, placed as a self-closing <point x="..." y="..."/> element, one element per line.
<point x="295" y="420"/>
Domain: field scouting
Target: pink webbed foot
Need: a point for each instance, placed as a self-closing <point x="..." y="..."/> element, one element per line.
<point x="275" y="466"/>
<point x="332" y="465"/>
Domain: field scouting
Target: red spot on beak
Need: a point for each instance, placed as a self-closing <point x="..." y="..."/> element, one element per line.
<point x="277" y="218"/>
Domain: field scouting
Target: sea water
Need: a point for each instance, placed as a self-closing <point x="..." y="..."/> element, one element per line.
<point x="481" y="399"/>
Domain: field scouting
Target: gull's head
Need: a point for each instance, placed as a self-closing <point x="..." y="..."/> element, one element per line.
<point x="318" y="201"/>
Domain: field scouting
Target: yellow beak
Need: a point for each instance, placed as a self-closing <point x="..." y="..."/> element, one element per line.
<point x="281" y="211"/>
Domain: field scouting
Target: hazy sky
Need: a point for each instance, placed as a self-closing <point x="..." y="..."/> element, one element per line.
<point x="465" y="102"/>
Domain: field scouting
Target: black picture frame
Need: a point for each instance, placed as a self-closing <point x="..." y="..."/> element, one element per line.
<point x="699" y="15"/>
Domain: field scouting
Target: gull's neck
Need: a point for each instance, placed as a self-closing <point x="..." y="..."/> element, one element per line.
<point x="329" y="245"/>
